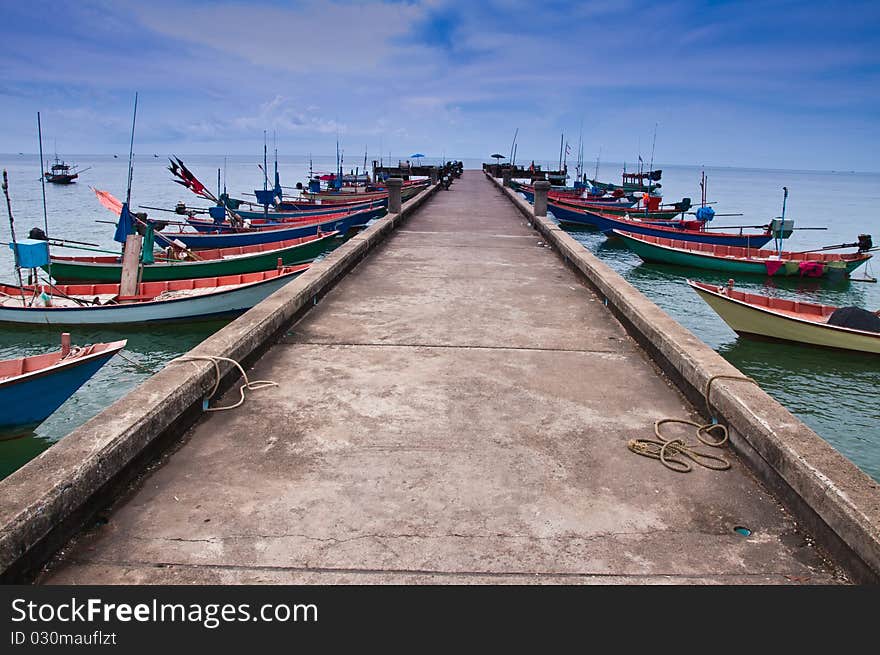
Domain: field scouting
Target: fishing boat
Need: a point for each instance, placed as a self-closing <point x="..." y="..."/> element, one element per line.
<point x="32" y="388"/>
<point x="632" y="182"/>
<point x="102" y="304"/>
<point x="363" y="217"/>
<point x="682" y="230"/>
<point x="736" y="260"/>
<point x="757" y="315"/>
<point x="223" y="236"/>
<point x="569" y="193"/>
<point x="409" y="189"/>
<point x="182" y="265"/>
<point x="661" y="213"/>
<point x="62" y="173"/>
<point x="284" y="211"/>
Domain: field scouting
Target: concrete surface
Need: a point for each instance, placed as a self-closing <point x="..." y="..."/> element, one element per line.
<point x="455" y="410"/>
<point x="49" y="499"/>
<point x="831" y="497"/>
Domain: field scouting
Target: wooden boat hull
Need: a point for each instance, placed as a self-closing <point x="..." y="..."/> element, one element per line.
<point x="280" y="215"/>
<point x="61" y="179"/>
<point x="232" y="300"/>
<point x="28" y="400"/>
<point x="608" y="223"/>
<point x="628" y="188"/>
<point x="211" y="227"/>
<point x="553" y="195"/>
<point x="198" y="240"/>
<point x="750" y="320"/>
<point x="407" y="192"/>
<point x="620" y="209"/>
<point x="677" y="256"/>
<point x="70" y="270"/>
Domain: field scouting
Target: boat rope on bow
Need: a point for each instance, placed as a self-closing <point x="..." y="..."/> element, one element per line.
<point x="215" y="360"/>
<point x="672" y="452"/>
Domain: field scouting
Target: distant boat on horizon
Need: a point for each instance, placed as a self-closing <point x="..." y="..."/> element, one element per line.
<point x="62" y="172"/>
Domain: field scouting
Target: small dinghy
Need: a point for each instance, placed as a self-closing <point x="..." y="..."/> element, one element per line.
<point x="753" y="314"/>
<point x="32" y="388"/>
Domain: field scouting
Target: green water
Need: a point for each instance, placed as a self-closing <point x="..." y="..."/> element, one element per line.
<point x="149" y="348"/>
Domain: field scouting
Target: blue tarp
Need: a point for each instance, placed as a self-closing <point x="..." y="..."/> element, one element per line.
<point x="218" y="213"/>
<point x="125" y="226"/>
<point x="31" y="253"/>
<point x="265" y="197"/>
<point x="705" y="214"/>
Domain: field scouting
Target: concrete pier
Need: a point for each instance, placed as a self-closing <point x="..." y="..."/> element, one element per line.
<point x="455" y="410"/>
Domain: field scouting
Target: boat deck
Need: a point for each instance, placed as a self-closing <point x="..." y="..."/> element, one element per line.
<point x="455" y="410"/>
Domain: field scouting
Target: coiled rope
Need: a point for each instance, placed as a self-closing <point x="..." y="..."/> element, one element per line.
<point x="251" y="386"/>
<point x="672" y="452"/>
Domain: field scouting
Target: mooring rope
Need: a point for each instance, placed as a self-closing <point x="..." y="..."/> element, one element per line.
<point x="672" y="452"/>
<point x="252" y="386"/>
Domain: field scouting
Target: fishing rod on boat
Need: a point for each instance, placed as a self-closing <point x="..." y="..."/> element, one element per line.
<point x="14" y="242"/>
<point x="755" y="227"/>
<point x="864" y="244"/>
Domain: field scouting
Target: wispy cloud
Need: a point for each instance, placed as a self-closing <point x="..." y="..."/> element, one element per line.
<point x="750" y="82"/>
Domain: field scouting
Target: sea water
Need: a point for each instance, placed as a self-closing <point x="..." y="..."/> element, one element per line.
<point x="835" y="393"/>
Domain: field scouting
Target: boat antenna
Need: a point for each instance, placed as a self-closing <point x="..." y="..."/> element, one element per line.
<point x="14" y="242"/>
<point x="513" y="144"/>
<point x="597" y="163"/>
<point x="43" y="187"/>
<point x="265" y="164"/>
<point x="651" y="168"/>
<point x="131" y="149"/>
<point x="580" y="150"/>
<point x="561" y="139"/>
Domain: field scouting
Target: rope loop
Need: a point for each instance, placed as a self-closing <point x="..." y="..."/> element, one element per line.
<point x="215" y="360"/>
<point x="674" y="453"/>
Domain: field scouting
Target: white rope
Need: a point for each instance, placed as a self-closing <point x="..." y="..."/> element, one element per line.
<point x="253" y="386"/>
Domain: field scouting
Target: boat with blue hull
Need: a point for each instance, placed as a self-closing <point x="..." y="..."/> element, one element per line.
<point x="320" y="210"/>
<point x="32" y="388"/>
<point x="210" y="227"/>
<point x="251" y="236"/>
<point x="681" y="230"/>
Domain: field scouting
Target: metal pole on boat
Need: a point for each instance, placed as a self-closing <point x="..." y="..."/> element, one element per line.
<point x="43" y="187"/>
<point x="14" y="242"/>
<point x="131" y="149"/>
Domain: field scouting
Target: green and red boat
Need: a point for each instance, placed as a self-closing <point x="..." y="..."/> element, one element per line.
<point x="199" y="264"/>
<point x="662" y="213"/>
<point x="738" y="261"/>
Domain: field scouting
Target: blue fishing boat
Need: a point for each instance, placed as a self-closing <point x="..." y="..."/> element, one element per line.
<point x="32" y="388"/>
<point x="210" y="227"/>
<point x="681" y="230"/>
<point x="219" y="238"/>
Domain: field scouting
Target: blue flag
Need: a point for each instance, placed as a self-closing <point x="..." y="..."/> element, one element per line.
<point x="125" y="226"/>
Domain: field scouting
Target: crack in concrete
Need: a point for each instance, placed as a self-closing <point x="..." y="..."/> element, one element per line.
<point x="454" y="535"/>
<point x="786" y="576"/>
<point x="451" y="346"/>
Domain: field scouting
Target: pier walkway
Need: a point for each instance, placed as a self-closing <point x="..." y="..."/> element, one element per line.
<point x="456" y="410"/>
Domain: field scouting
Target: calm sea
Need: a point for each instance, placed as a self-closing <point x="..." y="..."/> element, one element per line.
<point x="834" y="393"/>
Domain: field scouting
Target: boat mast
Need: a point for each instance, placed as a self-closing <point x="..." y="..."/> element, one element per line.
<point x="561" y="139"/>
<point x="14" y="242"/>
<point x="131" y="150"/>
<point x="43" y="188"/>
<point x="651" y="168"/>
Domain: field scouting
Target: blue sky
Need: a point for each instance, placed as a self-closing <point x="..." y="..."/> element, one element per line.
<point x="763" y="84"/>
